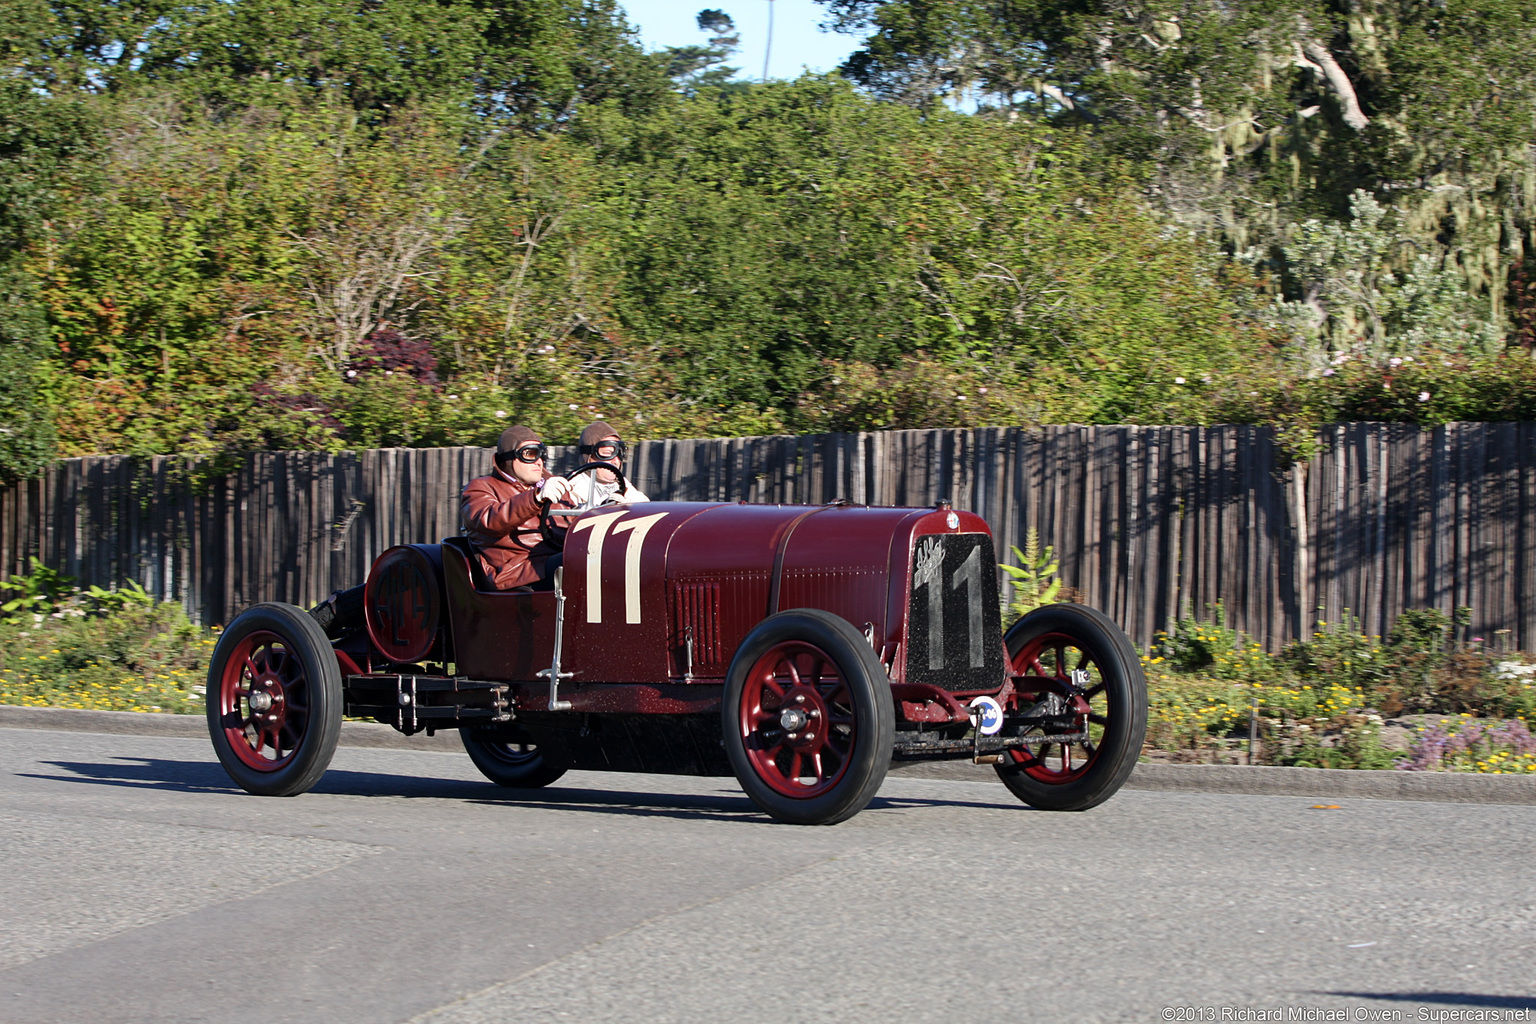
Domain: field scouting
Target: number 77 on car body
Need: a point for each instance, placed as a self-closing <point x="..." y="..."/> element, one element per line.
<point x="801" y="649"/>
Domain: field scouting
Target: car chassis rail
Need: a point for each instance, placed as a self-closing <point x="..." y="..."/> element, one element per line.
<point x="415" y="702"/>
<point x="974" y="746"/>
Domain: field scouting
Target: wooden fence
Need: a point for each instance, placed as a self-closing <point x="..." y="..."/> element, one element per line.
<point x="1149" y="522"/>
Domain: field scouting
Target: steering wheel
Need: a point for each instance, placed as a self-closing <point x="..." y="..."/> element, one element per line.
<point x="555" y="535"/>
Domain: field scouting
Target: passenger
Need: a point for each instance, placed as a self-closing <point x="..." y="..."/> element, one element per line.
<point x="601" y="443"/>
<point x="501" y="513"/>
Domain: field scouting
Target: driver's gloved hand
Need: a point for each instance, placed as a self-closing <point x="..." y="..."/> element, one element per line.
<point x="554" y="489"/>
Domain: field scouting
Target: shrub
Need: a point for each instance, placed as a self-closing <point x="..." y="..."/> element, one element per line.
<point x="1338" y="652"/>
<point x="1320" y="702"/>
<point x="1031" y="579"/>
<point x="137" y="656"/>
<point x="1212" y="648"/>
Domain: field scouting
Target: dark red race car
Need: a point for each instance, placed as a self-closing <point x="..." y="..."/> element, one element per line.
<point x="800" y="649"/>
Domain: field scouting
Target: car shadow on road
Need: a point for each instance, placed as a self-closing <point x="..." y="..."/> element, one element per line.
<point x="649" y="803"/>
<point x="141" y="773"/>
<point x="209" y="777"/>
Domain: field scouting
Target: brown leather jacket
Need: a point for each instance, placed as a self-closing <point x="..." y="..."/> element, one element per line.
<point x="501" y="520"/>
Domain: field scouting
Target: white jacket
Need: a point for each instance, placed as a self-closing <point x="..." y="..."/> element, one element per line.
<point x="588" y="492"/>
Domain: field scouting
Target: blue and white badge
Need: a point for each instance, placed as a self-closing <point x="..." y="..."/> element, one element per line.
<point x="952" y="521"/>
<point x="991" y="718"/>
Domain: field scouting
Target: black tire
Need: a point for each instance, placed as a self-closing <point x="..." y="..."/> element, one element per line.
<point x="274" y="684"/>
<point x="1118" y="695"/>
<point x="853" y="708"/>
<point x="508" y="757"/>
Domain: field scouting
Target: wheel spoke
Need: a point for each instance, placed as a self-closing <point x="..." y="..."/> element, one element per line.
<point x="1094" y="691"/>
<point x="835" y="692"/>
<point x="1097" y="719"/>
<point x="1066" y="757"/>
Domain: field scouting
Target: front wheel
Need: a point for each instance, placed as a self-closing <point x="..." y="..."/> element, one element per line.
<point x="274" y="700"/>
<point x="509" y="758"/>
<point x="808" y="718"/>
<point x="1077" y="675"/>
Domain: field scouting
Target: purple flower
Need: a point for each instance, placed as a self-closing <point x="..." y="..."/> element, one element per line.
<point x="389" y="350"/>
<point x="1435" y="746"/>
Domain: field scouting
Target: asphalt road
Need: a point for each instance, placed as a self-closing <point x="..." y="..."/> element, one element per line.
<point x="137" y="884"/>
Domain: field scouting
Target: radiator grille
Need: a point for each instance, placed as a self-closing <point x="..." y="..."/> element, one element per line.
<point x="954" y="638"/>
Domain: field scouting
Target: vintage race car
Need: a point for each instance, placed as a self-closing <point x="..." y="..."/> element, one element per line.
<point x="801" y="649"/>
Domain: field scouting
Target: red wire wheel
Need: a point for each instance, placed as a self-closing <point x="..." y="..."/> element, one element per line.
<point x="263" y="700"/>
<point x="797" y="720"/>
<point x="808" y="718"/>
<point x="1055" y="664"/>
<point x="274" y="700"/>
<point x="1075" y="664"/>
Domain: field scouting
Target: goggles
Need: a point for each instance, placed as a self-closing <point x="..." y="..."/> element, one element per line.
<point x="605" y="450"/>
<point x="529" y="453"/>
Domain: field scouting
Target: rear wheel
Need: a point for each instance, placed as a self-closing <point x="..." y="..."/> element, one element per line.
<point x="510" y="758"/>
<point x="1075" y="665"/>
<point x="274" y="700"/>
<point x="808" y="718"/>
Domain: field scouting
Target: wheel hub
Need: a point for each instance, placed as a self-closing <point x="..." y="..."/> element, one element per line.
<point x="802" y="716"/>
<point x="266" y="698"/>
<point x="793" y="719"/>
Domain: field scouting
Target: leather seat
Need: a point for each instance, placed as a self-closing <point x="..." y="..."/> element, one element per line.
<point x="476" y="573"/>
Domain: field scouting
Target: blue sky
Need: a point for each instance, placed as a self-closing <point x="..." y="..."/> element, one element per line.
<point x="798" y="42"/>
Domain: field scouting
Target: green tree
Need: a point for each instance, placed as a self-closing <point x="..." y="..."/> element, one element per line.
<point x="40" y="137"/>
<point x="698" y="67"/>
<point x="1248" y="118"/>
<point x="528" y="62"/>
<point x="1356" y="304"/>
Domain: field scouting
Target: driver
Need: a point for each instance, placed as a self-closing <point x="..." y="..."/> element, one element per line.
<point x="600" y="443"/>
<point x="501" y="513"/>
